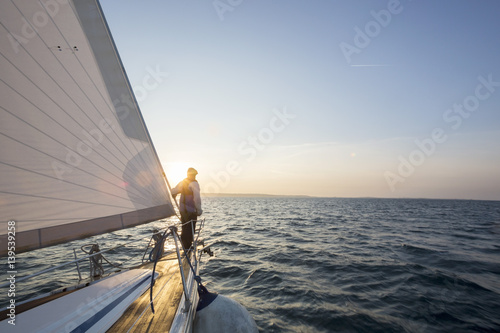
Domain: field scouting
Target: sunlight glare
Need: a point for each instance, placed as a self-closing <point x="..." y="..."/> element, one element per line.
<point x="176" y="171"/>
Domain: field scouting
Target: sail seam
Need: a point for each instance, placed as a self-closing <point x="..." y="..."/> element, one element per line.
<point x="56" y="122"/>
<point x="62" y="180"/>
<point x="56" y="83"/>
<point x="65" y="181"/>
<point x="125" y="78"/>
<point x="60" y="125"/>
<point x="62" y="199"/>
<point x="75" y="81"/>
<point x="74" y="102"/>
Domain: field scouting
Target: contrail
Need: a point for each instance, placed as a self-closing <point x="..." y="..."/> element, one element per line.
<point x="371" y="65"/>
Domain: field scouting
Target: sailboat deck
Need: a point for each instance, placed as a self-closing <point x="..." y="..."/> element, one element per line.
<point x="167" y="293"/>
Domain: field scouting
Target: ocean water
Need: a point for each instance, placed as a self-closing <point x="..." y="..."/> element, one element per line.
<point x="333" y="264"/>
<point x="358" y="265"/>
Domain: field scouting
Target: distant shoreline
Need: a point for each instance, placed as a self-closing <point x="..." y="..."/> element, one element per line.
<point x="253" y="195"/>
<point x="260" y="195"/>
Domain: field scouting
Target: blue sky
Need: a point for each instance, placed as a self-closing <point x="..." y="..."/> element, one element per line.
<point x="262" y="96"/>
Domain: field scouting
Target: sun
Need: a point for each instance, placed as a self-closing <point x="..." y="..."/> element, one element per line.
<point x="176" y="171"/>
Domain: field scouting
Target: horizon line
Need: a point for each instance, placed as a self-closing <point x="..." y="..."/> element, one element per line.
<point x="332" y="197"/>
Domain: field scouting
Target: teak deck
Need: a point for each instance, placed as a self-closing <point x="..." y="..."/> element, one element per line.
<point x="166" y="300"/>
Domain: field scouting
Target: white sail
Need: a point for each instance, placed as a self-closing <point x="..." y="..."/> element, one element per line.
<point x="75" y="156"/>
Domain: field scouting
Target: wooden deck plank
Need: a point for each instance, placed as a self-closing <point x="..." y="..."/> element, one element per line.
<point x="165" y="303"/>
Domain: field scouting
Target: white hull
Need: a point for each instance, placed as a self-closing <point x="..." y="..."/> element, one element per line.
<point x="92" y="309"/>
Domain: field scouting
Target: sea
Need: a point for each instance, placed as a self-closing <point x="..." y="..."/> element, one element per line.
<point x="304" y="264"/>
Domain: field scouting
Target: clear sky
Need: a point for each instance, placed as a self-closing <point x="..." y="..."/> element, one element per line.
<point x="324" y="98"/>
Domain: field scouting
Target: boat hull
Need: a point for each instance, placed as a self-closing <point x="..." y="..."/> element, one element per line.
<point x="91" y="309"/>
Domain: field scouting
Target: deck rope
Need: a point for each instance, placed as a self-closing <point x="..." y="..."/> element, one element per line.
<point x="96" y="268"/>
<point x="158" y="249"/>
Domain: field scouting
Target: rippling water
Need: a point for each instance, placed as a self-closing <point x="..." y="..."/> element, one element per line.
<point x="337" y="265"/>
<point x="358" y="265"/>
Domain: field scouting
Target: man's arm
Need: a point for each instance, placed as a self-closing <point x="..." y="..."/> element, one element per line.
<point x="176" y="190"/>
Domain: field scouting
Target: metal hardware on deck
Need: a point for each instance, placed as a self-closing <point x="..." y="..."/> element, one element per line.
<point x="77" y="266"/>
<point x="159" y="247"/>
<point x="95" y="262"/>
<point x="146" y="249"/>
<point x="186" y="296"/>
<point x="156" y="236"/>
<point x="195" y="240"/>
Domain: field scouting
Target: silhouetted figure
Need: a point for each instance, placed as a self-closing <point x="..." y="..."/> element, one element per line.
<point x="189" y="205"/>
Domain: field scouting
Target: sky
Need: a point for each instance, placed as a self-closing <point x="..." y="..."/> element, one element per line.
<point x="394" y="99"/>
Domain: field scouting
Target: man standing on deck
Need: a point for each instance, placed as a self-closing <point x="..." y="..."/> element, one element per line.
<point x="189" y="205"/>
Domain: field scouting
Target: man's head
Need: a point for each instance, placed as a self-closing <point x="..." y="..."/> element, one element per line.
<point x="191" y="173"/>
